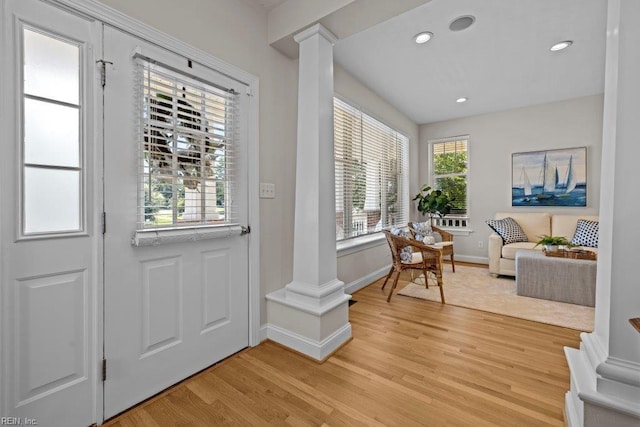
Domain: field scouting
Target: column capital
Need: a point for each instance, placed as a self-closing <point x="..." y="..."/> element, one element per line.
<point x="313" y="30"/>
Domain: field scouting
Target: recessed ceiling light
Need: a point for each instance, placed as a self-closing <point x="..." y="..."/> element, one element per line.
<point x="461" y="100"/>
<point x="560" y="46"/>
<point x="462" y="23"/>
<point x="423" y="37"/>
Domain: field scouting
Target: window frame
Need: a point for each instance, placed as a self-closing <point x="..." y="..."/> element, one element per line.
<point x="83" y="124"/>
<point x="197" y="228"/>
<point x="371" y="238"/>
<point x="451" y="222"/>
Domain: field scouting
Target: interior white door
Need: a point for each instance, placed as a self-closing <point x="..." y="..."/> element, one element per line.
<point x="49" y="237"/>
<point x="179" y="305"/>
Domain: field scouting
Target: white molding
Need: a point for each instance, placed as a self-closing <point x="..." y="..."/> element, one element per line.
<point x="312" y="31"/>
<point x="622" y="406"/>
<point x="283" y="297"/>
<point x="163" y="236"/>
<point x="448" y="139"/>
<point x="460" y="231"/>
<point x="621" y="371"/>
<point x="98" y="169"/>
<point x="585" y="384"/>
<point x="570" y="411"/>
<point x="263" y="332"/>
<point x="593" y="348"/>
<point x="6" y="116"/>
<point x="363" y="281"/>
<point x="358" y="244"/>
<point x="356" y="285"/>
<point x="318" y="350"/>
<point x="472" y="259"/>
<point x="253" y="182"/>
<point x="582" y="379"/>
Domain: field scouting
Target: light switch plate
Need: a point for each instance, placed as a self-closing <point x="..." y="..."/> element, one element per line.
<point x="267" y="190"/>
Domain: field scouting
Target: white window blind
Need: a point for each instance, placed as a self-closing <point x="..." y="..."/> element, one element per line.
<point x="371" y="167"/>
<point x="449" y="165"/>
<point x="187" y="137"/>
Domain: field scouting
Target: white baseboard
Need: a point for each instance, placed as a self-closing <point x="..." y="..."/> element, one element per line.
<point x="263" y="335"/>
<point x="318" y="350"/>
<point x="470" y="258"/>
<point x="570" y="411"/>
<point x="609" y="400"/>
<point x="356" y="285"/>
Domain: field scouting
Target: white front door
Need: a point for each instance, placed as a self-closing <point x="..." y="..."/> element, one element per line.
<point x="49" y="232"/>
<point x="176" y="265"/>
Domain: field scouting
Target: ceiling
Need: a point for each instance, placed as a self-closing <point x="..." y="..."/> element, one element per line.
<point x="501" y="62"/>
<point x="268" y="4"/>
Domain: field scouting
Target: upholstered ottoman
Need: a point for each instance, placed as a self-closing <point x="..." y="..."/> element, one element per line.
<point x="556" y="279"/>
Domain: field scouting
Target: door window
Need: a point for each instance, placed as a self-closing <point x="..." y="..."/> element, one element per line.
<point x="52" y="136"/>
<point x="187" y="147"/>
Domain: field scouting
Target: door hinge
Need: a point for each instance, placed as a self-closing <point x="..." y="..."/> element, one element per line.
<point x="245" y="230"/>
<point x="104" y="222"/>
<point x="104" y="370"/>
<point x="103" y="70"/>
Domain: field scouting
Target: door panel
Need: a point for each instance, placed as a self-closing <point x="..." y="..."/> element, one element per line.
<point x="171" y="309"/>
<point x="215" y="292"/>
<point x="60" y="328"/>
<point x="49" y="271"/>
<point x="161" y="304"/>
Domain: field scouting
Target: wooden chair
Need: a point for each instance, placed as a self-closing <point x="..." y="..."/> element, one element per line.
<point x="424" y="258"/>
<point x="447" y="240"/>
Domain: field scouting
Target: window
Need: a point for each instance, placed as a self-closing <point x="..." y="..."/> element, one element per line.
<point x="187" y="136"/>
<point x="371" y="167"/>
<point x="449" y="165"/>
<point x="52" y="138"/>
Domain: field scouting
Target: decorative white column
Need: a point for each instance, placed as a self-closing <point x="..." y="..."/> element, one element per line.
<point x="605" y="371"/>
<point x="310" y="314"/>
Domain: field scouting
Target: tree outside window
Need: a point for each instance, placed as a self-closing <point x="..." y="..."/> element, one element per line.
<point x="449" y="166"/>
<point x="187" y="146"/>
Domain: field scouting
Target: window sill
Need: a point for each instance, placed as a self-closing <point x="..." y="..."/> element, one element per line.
<point x="155" y="237"/>
<point x="457" y="231"/>
<point x="350" y="246"/>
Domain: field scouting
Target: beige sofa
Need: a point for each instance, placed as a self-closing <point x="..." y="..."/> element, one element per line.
<point x="502" y="257"/>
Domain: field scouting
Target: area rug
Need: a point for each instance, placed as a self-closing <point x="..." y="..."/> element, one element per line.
<point x="474" y="287"/>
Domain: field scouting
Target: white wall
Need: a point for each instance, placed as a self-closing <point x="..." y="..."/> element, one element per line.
<point x="236" y="32"/>
<point x="495" y="136"/>
<point x="354" y="266"/>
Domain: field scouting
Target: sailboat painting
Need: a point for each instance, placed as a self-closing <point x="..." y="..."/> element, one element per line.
<point x="549" y="178"/>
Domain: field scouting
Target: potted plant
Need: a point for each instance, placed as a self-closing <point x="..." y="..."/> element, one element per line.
<point x="551" y="243"/>
<point x="433" y="202"/>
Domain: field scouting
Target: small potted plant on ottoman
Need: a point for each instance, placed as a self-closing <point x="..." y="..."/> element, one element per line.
<point x="551" y="243"/>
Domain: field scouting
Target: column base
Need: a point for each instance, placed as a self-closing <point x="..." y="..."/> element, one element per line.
<point x="596" y="398"/>
<point x="315" y="331"/>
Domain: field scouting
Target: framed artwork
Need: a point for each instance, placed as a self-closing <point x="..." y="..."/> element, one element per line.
<point x="549" y="178"/>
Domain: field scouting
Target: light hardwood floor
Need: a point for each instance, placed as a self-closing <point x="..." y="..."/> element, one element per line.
<point x="411" y="362"/>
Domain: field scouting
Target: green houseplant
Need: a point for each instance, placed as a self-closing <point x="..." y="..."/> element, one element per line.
<point x="433" y="202"/>
<point x="551" y="243"/>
